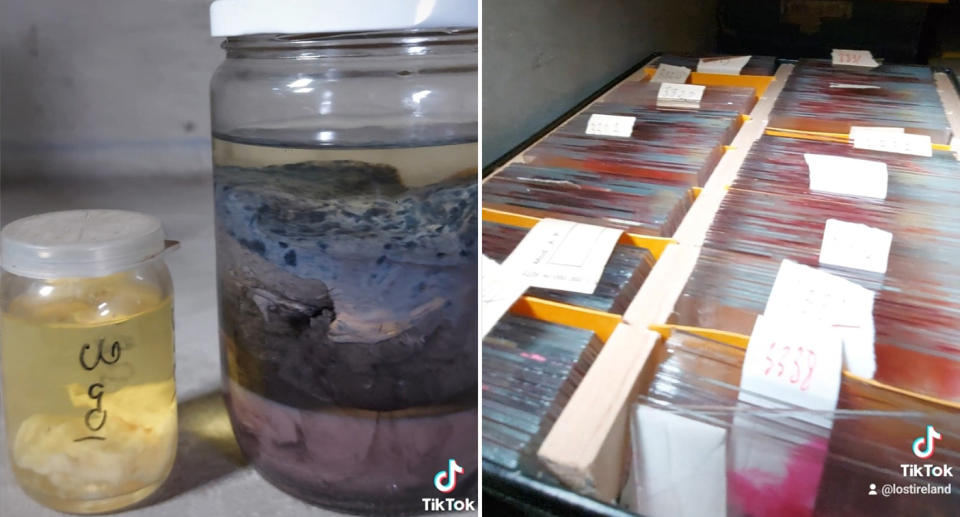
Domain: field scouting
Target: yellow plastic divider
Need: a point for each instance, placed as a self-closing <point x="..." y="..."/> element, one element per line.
<point x="723" y="336"/>
<point x="808" y="135"/>
<point x="741" y="341"/>
<point x="697" y="191"/>
<point x="649" y="72"/>
<point x="656" y="245"/>
<point x="827" y="137"/>
<point x="601" y="323"/>
<point x="509" y="218"/>
<point x="759" y="83"/>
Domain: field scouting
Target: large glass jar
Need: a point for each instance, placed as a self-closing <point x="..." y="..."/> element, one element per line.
<point x="86" y="344"/>
<point x="346" y="223"/>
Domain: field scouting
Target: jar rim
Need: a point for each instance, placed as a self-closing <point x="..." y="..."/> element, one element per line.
<point x="351" y="40"/>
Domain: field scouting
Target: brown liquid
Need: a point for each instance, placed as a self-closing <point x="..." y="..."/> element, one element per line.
<point x="347" y="284"/>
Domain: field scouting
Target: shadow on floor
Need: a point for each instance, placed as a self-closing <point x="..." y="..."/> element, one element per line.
<point x="207" y="450"/>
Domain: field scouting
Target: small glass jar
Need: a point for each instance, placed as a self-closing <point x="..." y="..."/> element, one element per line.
<point x="86" y="349"/>
<point x="345" y="183"/>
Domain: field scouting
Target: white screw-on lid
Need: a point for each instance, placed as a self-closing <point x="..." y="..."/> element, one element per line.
<point x="79" y="243"/>
<point x="240" y="17"/>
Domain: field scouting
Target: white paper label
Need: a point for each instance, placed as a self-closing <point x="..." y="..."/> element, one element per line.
<point x="847" y="176"/>
<point x="722" y="65"/>
<point x="672" y="95"/>
<point x="670" y="74"/>
<point x="799" y="363"/>
<point x="856" y="246"/>
<point x="856" y="131"/>
<point x="677" y="456"/>
<point x="804" y="294"/>
<point x="563" y="255"/>
<point x="499" y="289"/>
<point x="850" y="86"/>
<point x="847" y="57"/>
<point x="901" y="143"/>
<point x="610" y="125"/>
<point x="955" y="147"/>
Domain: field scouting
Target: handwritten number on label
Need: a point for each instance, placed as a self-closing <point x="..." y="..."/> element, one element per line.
<point x="796" y="366"/>
<point x="776" y="358"/>
<point x="97" y="411"/>
<point x="96" y="418"/>
<point x="848" y="58"/>
<point x="112" y="359"/>
<point x="811" y="364"/>
<point x="786" y="352"/>
<point x="769" y="360"/>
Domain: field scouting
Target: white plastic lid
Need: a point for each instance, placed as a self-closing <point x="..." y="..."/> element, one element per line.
<point x="79" y="243"/>
<point x="240" y="17"/>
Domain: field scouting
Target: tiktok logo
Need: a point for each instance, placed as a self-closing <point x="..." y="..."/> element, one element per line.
<point x="446" y="480"/>
<point x="927" y="440"/>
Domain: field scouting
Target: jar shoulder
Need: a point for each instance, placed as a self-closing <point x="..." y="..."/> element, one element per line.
<point x="87" y="300"/>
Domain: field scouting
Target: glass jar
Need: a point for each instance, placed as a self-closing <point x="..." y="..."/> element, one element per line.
<point x="345" y="186"/>
<point x="86" y="344"/>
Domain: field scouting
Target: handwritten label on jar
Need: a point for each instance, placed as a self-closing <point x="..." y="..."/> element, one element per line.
<point x="610" y="125"/>
<point x="799" y="364"/>
<point x="90" y="359"/>
<point x="672" y="95"/>
<point x="670" y="74"/>
<point x="722" y="65"/>
<point x="846" y="57"/>
<point x="803" y="294"/>
<point x="847" y="176"/>
<point x="855" y="246"/>
<point x="563" y="255"/>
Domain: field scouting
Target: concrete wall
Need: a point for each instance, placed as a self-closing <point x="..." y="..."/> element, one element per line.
<point x="119" y="87"/>
<point x="541" y="57"/>
<point x="105" y="87"/>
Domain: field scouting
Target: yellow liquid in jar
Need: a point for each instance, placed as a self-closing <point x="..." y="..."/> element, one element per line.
<point x="89" y="393"/>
